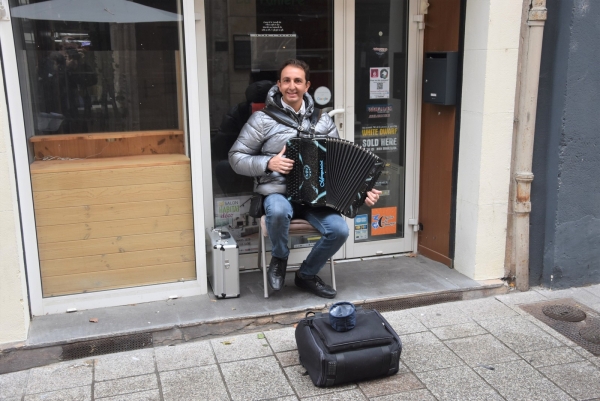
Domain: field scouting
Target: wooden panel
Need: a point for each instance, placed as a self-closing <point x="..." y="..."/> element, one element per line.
<point x="113" y="223"/>
<point x="102" y="148"/>
<point x="118" y="228"/>
<point x="58" y="166"/>
<point x="102" y="196"/>
<point x="436" y="177"/>
<point x="106" y="280"/>
<point x="115" y="261"/>
<point x="103" y="135"/>
<point x="112" y="211"/>
<point x="442" y="26"/>
<point x="116" y="177"/>
<point x="101" y="246"/>
<point x="437" y="140"/>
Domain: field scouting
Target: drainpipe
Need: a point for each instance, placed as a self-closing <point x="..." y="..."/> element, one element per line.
<point x="525" y="130"/>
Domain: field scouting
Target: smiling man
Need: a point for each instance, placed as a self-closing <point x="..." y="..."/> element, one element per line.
<point x="260" y="152"/>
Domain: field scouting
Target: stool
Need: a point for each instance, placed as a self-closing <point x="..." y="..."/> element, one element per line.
<point x="297" y="227"/>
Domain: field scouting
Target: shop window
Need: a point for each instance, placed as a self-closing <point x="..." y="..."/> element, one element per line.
<point x="103" y="94"/>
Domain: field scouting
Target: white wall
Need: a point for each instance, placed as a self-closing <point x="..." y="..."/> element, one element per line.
<point x="14" y="308"/>
<point x="487" y="114"/>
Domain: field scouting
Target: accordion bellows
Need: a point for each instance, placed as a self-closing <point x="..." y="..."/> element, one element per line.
<point x="331" y="172"/>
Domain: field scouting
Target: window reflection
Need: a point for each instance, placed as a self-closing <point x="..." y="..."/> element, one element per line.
<point x="85" y="73"/>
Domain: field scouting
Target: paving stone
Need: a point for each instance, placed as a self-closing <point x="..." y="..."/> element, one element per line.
<point x="282" y="339"/>
<point x="520" y="335"/>
<point x="240" y="347"/>
<point x="58" y="376"/>
<point x="518" y="298"/>
<point x="459" y="383"/>
<point x="288" y="358"/>
<point x="553" y="356"/>
<point x="416" y="395"/>
<point x="583" y="352"/>
<point x="350" y="395"/>
<point x="255" y="379"/>
<point x="579" y="294"/>
<point x="390" y="385"/>
<point x="483" y="349"/>
<point x="458" y="331"/>
<point x="13" y="384"/>
<point x="288" y="398"/>
<point x="549" y="330"/>
<point x="403" y="322"/>
<point x="304" y="387"/>
<point x="485" y="309"/>
<point x="125" y="364"/>
<point x="184" y="355"/>
<point x="197" y="383"/>
<point x="149" y="395"/>
<point x="423" y="351"/>
<point x="580" y="379"/>
<point x="440" y="315"/>
<point x="517" y="380"/>
<point x="71" y="394"/>
<point x="593" y="289"/>
<point x="123" y="386"/>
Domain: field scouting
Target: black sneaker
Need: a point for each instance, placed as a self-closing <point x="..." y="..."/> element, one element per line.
<point x="316" y="286"/>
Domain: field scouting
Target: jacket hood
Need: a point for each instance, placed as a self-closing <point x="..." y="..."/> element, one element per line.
<point x="257" y="91"/>
<point x="274" y="99"/>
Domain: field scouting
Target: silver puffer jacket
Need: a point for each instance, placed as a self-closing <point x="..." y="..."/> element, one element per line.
<point x="262" y="138"/>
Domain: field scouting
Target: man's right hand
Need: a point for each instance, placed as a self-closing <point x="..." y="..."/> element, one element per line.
<point x="280" y="163"/>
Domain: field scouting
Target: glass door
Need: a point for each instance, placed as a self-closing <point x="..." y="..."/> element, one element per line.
<point x="383" y="96"/>
<point x="246" y="43"/>
<point x="344" y="42"/>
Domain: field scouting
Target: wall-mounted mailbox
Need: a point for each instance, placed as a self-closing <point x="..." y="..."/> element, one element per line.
<point x="439" y="77"/>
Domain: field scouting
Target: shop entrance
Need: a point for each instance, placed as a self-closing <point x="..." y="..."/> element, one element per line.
<point x="362" y="55"/>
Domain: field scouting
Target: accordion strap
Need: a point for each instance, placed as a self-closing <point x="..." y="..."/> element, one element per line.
<point x="286" y="120"/>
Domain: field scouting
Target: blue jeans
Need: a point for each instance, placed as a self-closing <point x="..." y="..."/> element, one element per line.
<point x="332" y="226"/>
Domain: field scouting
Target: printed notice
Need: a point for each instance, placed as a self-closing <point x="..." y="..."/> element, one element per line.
<point x="383" y="220"/>
<point x="380" y="83"/>
<point x="361" y="227"/>
<point x="379" y="110"/>
<point x="380" y="138"/>
<point x="272" y="26"/>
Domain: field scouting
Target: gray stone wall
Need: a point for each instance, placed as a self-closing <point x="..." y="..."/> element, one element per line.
<point x="565" y="219"/>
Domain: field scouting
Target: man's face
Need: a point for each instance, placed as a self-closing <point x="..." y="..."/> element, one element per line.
<point x="293" y="85"/>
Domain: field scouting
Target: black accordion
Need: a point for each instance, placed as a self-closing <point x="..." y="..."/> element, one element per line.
<point x="331" y="172"/>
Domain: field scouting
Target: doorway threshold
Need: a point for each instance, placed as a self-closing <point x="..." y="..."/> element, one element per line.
<point x="385" y="284"/>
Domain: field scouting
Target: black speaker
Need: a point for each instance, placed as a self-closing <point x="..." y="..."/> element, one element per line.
<point x="439" y="77"/>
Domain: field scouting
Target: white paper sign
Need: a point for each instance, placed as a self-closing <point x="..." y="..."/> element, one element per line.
<point x="380" y="83"/>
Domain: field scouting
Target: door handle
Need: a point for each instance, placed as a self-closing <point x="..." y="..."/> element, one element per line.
<point x="333" y="112"/>
<point x="336" y="111"/>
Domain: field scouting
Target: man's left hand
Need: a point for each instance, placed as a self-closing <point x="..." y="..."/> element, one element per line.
<point x="372" y="197"/>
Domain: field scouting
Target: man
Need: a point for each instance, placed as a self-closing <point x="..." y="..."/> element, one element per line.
<point x="259" y="152"/>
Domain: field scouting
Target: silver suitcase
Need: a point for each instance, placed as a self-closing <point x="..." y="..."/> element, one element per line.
<point x="223" y="263"/>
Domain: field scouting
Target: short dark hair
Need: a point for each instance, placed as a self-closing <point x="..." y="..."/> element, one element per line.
<point x="295" y="63"/>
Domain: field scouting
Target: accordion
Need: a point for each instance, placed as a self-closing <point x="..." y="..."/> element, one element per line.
<point x="331" y="172"/>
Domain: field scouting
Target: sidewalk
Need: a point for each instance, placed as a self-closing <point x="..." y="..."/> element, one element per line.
<point x="482" y="349"/>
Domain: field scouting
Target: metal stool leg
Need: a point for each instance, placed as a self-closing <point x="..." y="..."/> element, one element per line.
<point x="332" y="274"/>
<point x="264" y="264"/>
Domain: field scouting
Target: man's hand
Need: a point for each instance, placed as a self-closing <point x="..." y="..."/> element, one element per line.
<point x="372" y="197"/>
<point x="280" y="163"/>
